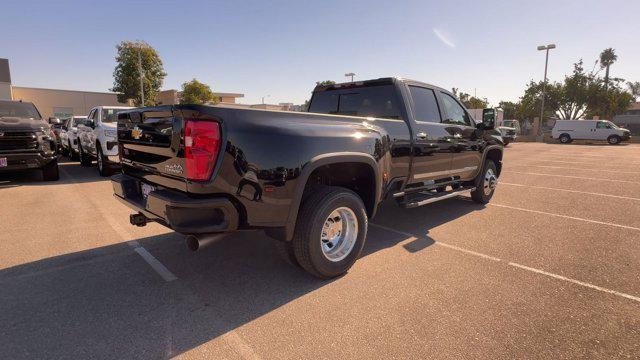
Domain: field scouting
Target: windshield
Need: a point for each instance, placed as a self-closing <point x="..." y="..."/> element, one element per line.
<point x="613" y="125"/>
<point x="110" y="115"/>
<point x="510" y="123"/>
<point x="18" y="109"/>
<point x="375" y="101"/>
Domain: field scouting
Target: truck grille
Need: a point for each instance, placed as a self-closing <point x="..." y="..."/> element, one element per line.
<point x="18" y="140"/>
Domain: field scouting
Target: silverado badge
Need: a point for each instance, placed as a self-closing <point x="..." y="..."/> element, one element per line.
<point x="136" y="132"/>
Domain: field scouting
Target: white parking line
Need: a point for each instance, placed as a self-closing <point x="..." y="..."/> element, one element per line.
<point x="470" y="252"/>
<point x="572" y="168"/>
<point x="571" y="177"/>
<point x="586" y="163"/>
<point x="571" y="191"/>
<point x="126" y="236"/>
<point x="567" y="217"/>
<point x="523" y="267"/>
<point x="155" y="264"/>
<point x="582" y="283"/>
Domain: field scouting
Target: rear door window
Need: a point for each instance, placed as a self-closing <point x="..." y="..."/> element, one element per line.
<point x="425" y="106"/>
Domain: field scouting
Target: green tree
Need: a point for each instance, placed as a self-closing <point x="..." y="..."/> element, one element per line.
<point x="126" y="76"/>
<point x="325" y="83"/>
<point x="470" y="102"/>
<point x="607" y="58"/>
<point x="195" y="92"/>
<point x="509" y="108"/>
<point x="634" y="88"/>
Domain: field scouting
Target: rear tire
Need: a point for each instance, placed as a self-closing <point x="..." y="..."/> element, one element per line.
<point x="613" y="140"/>
<point x="85" y="159"/>
<point x="565" y="138"/>
<point x="485" y="183"/>
<point x="330" y="231"/>
<point x="50" y="171"/>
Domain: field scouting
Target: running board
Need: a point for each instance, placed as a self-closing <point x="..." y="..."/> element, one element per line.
<point x="419" y="199"/>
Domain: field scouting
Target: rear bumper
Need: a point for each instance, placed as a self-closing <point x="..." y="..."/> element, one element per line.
<point x="22" y="161"/>
<point x="175" y="209"/>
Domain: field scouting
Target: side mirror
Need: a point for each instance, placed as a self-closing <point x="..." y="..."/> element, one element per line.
<point x="488" y="119"/>
<point x="54" y="121"/>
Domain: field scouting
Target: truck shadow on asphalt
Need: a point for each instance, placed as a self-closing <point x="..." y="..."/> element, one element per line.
<point x="80" y="174"/>
<point x="108" y="303"/>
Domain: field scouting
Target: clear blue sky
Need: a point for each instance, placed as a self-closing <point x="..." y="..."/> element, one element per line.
<point x="280" y="48"/>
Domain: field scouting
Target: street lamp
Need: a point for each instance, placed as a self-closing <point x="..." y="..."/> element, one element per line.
<point x="544" y="83"/>
<point x="350" y="74"/>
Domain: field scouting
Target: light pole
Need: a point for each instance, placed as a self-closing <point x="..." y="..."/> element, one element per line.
<point x="350" y="74"/>
<point x="263" y="98"/>
<point x="544" y="82"/>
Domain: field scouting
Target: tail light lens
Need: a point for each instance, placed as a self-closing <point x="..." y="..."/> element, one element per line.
<point x="201" y="147"/>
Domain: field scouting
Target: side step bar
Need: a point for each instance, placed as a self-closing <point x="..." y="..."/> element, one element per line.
<point x="419" y="199"/>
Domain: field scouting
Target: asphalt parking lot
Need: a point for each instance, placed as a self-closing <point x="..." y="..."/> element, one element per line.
<point x="550" y="269"/>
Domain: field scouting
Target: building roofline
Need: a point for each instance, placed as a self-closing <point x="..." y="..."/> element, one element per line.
<point x="81" y="91"/>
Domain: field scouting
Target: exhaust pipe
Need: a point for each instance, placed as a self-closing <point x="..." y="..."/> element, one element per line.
<point x="196" y="242"/>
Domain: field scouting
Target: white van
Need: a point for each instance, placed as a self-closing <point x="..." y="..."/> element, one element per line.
<point x="569" y="130"/>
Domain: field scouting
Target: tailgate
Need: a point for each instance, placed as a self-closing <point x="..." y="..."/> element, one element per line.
<point x="150" y="141"/>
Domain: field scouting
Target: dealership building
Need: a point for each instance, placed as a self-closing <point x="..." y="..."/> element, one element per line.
<point x="66" y="103"/>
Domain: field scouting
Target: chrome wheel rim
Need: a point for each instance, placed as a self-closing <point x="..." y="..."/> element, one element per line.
<point x="490" y="182"/>
<point x="339" y="234"/>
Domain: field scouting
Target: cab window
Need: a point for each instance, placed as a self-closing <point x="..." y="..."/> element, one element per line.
<point x="456" y="114"/>
<point x="603" y="125"/>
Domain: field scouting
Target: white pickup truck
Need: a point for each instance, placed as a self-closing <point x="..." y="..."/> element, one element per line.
<point x="98" y="138"/>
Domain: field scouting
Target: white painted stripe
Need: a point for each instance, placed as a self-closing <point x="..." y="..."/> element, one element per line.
<point x="523" y="267"/>
<point x="572" y="168"/>
<point x="243" y="349"/>
<point x="599" y="163"/>
<point x="571" y="191"/>
<point x="578" y="282"/>
<point x="155" y="264"/>
<point x="567" y="217"/>
<point x="127" y="236"/>
<point x="453" y="247"/>
<point x="570" y="176"/>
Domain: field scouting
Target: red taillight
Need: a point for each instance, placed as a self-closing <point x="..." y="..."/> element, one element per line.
<point x="201" y="146"/>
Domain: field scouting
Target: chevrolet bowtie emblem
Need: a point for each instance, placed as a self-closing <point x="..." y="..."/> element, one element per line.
<point x="136" y="133"/>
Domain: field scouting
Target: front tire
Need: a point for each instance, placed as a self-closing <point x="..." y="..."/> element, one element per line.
<point x="103" y="166"/>
<point x="50" y="171"/>
<point x="485" y="183"/>
<point x="85" y="159"/>
<point x="565" y="138"/>
<point x="330" y="231"/>
<point x="613" y="140"/>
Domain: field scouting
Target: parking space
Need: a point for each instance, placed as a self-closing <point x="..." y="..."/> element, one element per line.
<point x="549" y="269"/>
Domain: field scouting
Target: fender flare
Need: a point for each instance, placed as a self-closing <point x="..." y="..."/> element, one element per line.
<point x="486" y="152"/>
<point x="327" y="159"/>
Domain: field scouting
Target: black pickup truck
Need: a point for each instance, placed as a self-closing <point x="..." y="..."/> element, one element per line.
<point x="312" y="179"/>
<point x="26" y="140"/>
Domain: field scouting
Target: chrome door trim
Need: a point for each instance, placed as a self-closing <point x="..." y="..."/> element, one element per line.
<point x="444" y="173"/>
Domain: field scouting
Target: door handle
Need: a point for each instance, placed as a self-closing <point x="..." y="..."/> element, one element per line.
<point x="421" y="135"/>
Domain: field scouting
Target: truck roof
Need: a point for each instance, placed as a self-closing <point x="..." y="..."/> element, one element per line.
<point x="373" y="82"/>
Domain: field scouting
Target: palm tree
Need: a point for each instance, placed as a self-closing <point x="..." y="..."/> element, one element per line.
<point x="607" y="58"/>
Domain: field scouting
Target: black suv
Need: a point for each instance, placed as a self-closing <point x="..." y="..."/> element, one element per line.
<point x="26" y="140"/>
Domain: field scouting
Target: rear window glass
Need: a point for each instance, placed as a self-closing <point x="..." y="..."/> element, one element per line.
<point x="375" y="101"/>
